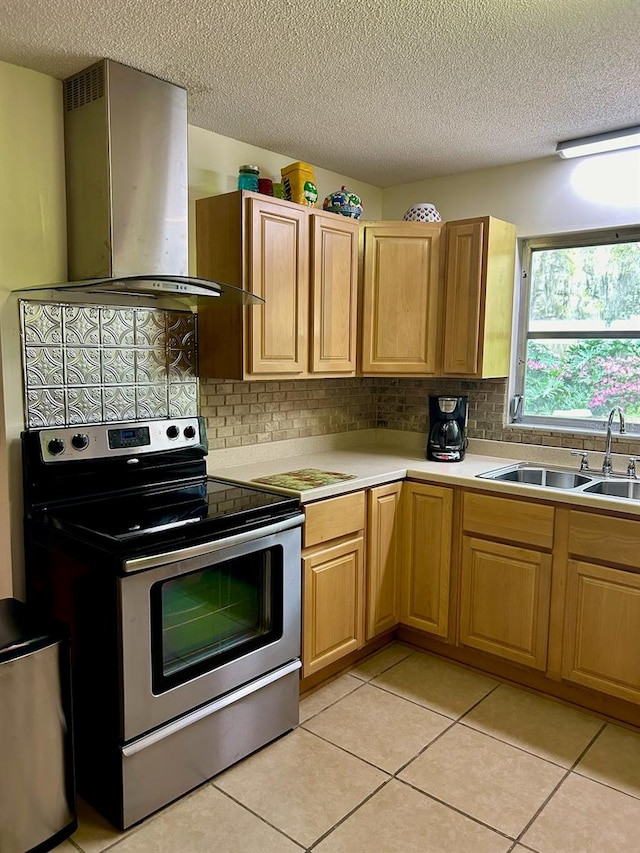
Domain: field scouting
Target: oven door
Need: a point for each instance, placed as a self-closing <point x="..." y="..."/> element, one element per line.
<point x="202" y="624"/>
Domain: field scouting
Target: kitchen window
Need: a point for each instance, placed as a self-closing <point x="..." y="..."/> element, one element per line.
<point x="579" y="338"/>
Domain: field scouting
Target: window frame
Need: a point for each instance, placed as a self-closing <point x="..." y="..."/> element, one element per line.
<point x="568" y="240"/>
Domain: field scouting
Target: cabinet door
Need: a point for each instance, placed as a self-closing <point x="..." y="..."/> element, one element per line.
<point x="334" y="292"/>
<point x="333" y="598"/>
<point x="400" y="299"/>
<point x="602" y="629"/>
<point x="383" y="559"/>
<point x="463" y="288"/>
<point x="504" y="602"/>
<point x="278" y="272"/>
<point x="427" y="513"/>
<point x="479" y="284"/>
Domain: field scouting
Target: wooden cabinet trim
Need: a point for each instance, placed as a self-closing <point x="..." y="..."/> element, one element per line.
<point x="558" y="592"/>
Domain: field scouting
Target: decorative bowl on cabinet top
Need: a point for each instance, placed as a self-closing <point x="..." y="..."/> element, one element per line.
<point x="344" y="202"/>
<point x="422" y="212"/>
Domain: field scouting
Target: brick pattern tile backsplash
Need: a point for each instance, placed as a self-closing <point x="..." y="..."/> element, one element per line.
<point x="246" y="413"/>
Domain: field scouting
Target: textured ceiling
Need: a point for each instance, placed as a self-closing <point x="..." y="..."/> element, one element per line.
<point x="387" y="92"/>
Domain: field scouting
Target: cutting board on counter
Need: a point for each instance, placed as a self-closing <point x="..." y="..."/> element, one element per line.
<point x="304" y="478"/>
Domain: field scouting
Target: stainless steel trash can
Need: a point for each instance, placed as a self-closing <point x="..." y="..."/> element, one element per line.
<point x="37" y="785"/>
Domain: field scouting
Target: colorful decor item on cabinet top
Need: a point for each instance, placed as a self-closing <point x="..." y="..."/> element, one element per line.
<point x="422" y="212"/>
<point x="304" y="478"/>
<point x="344" y="202"/>
<point x="299" y="184"/>
<point x="310" y="193"/>
<point x="248" y="177"/>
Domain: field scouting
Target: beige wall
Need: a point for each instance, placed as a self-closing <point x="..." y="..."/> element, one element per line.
<point x="33" y="245"/>
<point x="543" y="196"/>
<point x="548" y="196"/>
<point x="213" y="169"/>
<point x="32" y="251"/>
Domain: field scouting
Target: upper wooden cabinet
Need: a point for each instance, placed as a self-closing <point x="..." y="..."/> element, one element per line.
<point x="399" y="315"/>
<point x="302" y="262"/>
<point x="478" y="304"/>
<point x="334" y="293"/>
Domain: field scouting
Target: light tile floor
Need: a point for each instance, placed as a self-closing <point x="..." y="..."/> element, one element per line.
<point x="408" y="752"/>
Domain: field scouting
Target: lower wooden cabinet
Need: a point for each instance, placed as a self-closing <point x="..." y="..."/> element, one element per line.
<point x="504" y="600"/>
<point x="333" y="611"/>
<point x="333" y="580"/>
<point x="391" y="555"/>
<point x="383" y="558"/>
<point x="602" y="629"/>
<point x="427" y="518"/>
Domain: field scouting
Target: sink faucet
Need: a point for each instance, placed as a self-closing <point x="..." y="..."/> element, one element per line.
<point x="606" y="462"/>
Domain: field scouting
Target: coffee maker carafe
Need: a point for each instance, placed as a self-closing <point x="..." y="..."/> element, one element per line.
<point x="447" y="440"/>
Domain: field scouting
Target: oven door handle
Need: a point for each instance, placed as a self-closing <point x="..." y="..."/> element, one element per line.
<point x="211" y="708"/>
<point x="137" y="564"/>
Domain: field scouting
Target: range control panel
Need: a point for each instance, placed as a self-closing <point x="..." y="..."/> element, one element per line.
<point x="100" y="441"/>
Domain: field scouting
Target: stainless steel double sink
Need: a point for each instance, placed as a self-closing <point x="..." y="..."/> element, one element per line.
<point x="556" y="477"/>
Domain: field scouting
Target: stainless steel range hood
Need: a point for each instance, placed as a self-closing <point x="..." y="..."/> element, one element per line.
<point x="127" y="190"/>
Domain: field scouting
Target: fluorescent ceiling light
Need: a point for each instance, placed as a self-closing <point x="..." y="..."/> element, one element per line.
<point x="628" y="137"/>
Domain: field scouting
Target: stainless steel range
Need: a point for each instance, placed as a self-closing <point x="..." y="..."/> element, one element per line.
<point x="183" y="598"/>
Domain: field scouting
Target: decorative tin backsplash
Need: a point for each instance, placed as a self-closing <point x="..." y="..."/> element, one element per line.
<point x="94" y="363"/>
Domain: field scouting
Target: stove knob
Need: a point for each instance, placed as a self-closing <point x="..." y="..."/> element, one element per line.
<point x="56" y="446"/>
<point x="189" y="432"/>
<point x="80" y="441"/>
<point x="173" y="431"/>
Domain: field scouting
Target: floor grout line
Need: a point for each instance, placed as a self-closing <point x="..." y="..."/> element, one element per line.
<point x="394" y="776"/>
<point x="255" y="814"/>
<point x="512" y="745"/>
<point x="352" y="812"/>
<point x="335" y="702"/>
<point x="352" y="754"/>
<point x="424" y="749"/>
<point x="458" y="810"/>
<point x="561" y="782"/>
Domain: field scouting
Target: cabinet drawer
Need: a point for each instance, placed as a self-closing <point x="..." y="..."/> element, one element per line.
<point x="333" y="518"/>
<point x="504" y="518"/>
<point x="612" y="540"/>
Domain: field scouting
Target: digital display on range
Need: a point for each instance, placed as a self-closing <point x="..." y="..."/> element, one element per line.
<point x="136" y="437"/>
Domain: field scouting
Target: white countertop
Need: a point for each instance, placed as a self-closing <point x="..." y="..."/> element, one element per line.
<point x="382" y="456"/>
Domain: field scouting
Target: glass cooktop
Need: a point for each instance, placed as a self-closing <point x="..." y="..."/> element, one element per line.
<point x="189" y="513"/>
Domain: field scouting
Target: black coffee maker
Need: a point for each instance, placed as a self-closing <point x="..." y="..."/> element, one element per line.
<point x="447" y="440"/>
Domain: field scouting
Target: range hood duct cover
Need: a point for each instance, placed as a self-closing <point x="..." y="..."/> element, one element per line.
<point x="127" y="186"/>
